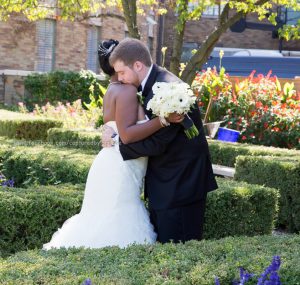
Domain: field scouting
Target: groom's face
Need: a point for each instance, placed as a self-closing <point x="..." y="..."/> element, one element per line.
<point x="126" y="74"/>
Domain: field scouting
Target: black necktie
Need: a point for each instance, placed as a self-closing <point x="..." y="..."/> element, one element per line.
<point x="140" y="88"/>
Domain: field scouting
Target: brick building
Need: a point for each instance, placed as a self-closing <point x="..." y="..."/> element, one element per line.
<point x="51" y="44"/>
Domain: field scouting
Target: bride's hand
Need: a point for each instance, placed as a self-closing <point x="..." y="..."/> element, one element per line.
<point x="175" y="118"/>
<point x="106" y="137"/>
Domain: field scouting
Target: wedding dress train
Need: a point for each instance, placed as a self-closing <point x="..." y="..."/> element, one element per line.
<point x="112" y="212"/>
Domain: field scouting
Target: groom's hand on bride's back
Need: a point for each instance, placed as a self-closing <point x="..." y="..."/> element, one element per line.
<point x="107" y="136"/>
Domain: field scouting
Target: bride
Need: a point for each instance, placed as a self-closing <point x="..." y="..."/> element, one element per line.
<point x="112" y="212"/>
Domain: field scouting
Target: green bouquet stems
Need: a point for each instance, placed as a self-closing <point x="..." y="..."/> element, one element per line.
<point x="190" y="129"/>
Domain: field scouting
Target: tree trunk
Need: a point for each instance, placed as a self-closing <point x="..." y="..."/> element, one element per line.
<point x="179" y="35"/>
<point x="176" y="52"/>
<point x="129" y="8"/>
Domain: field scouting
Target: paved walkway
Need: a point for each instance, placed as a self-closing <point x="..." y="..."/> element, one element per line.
<point x="223" y="170"/>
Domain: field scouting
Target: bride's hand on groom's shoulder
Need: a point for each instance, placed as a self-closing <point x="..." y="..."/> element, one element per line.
<point x="107" y="136"/>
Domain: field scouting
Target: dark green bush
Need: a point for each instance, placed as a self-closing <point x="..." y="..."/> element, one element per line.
<point x="226" y="153"/>
<point x="240" y="209"/>
<point x="192" y="263"/>
<point x="61" y="86"/>
<point x="75" y="139"/>
<point x="21" y="126"/>
<point x="13" y="108"/>
<point x="281" y="173"/>
<point x="27" y="129"/>
<point x="35" y="163"/>
<point x="30" y="216"/>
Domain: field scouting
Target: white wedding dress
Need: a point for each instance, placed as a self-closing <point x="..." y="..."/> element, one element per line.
<point x="112" y="212"/>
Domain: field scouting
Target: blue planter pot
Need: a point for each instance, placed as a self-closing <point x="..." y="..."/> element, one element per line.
<point x="228" y="135"/>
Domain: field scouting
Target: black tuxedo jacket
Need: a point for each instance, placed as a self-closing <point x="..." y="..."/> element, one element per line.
<point x="179" y="171"/>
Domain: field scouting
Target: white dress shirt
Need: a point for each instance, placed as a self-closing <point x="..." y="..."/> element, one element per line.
<point x="143" y="83"/>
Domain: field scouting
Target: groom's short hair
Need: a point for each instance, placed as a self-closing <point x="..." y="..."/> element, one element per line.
<point x="129" y="51"/>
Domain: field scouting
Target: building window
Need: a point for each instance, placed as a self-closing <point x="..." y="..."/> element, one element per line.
<point x="292" y="17"/>
<point x="213" y="11"/>
<point x="187" y="49"/>
<point x="93" y="38"/>
<point x="45" y="34"/>
<point x="210" y="12"/>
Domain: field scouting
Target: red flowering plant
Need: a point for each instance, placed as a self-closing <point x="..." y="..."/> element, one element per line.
<point x="212" y="88"/>
<point x="264" y="112"/>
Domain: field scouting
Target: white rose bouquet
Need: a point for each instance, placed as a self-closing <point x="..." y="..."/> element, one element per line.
<point x="170" y="97"/>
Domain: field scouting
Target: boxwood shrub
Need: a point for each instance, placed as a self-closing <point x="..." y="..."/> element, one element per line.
<point x="240" y="209"/>
<point x="226" y="153"/>
<point x="29" y="163"/>
<point x="30" y="216"/>
<point x="281" y="173"/>
<point x="75" y="138"/>
<point x="191" y="263"/>
<point x="21" y="126"/>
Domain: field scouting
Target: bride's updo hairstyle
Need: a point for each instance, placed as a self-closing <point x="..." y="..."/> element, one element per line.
<point x="104" y="51"/>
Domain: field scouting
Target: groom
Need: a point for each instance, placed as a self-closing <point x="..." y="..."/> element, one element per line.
<point x="179" y="172"/>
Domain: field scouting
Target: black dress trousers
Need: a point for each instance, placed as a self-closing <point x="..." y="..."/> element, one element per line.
<point x="179" y="224"/>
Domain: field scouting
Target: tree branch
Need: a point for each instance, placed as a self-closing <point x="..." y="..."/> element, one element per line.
<point x="200" y="57"/>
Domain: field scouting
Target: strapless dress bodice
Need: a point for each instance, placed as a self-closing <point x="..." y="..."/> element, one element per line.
<point x="113" y="124"/>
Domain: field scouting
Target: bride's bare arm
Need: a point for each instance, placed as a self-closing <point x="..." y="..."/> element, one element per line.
<point x="127" y="116"/>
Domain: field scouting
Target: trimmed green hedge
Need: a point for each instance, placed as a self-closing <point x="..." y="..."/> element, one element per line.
<point x="37" y="163"/>
<point x="191" y="263"/>
<point x="30" y="216"/>
<point x="224" y="153"/>
<point x="75" y="138"/>
<point x="21" y="126"/>
<point x="281" y="173"/>
<point x="240" y="209"/>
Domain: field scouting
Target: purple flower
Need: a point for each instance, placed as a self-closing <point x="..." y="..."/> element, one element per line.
<point x="7" y="183"/>
<point x="10" y="183"/>
<point x="274" y="278"/>
<point x="271" y="271"/>
<point x="244" y="276"/>
<point x="87" y="282"/>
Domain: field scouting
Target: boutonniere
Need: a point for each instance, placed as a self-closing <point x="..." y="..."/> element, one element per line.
<point x="140" y="97"/>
